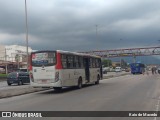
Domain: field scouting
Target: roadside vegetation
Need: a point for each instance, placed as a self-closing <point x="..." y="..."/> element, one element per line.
<point x="3" y="75"/>
<point x="106" y="63"/>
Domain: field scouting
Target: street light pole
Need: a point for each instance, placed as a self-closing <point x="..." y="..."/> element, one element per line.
<point x="26" y="34"/>
<point x="96" y="30"/>
<point x="6" y="66"/>
<point x="97" y="37"/>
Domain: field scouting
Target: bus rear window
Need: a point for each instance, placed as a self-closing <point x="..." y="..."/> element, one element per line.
<point x="44" y="59"/>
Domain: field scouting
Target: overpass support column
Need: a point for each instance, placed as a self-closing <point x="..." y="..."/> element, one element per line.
<point x="134" y="59"/>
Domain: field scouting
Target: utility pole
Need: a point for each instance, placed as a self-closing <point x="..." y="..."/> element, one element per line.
<point x="18" y="60"/>
<point x="96" y="30"/>
<point x="6" y="66"/>
<point x="97" y="37"/>
<point x="26" y="35"/>
<point x="134" y="59"/>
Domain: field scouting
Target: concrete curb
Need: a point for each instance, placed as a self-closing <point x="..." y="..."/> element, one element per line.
<point x="21" y="91"/>
<point x="111" y="76"/>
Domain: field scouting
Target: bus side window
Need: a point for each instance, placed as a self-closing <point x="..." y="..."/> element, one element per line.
<point x="64" y="61"/>
<point x="90" y="63"/>
<point x="70" y="61"/>
<point x="96" y="63"/>
<point x="93" y="62"/>
<point x="76" y="62"/>
<point x="80" y="62"/>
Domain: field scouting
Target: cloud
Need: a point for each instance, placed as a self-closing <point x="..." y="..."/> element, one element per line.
<point x="70" y="25"/>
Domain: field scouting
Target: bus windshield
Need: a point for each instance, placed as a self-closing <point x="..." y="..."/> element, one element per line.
<point x="43" y="59"/>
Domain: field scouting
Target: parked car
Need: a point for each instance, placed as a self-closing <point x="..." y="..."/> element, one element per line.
<point x="127" y="70"/>
<point x="20" y="70"/>
<point x="18" y="77"/>
<point x="17" y="70"/>
<point x="104" y="70"/>
<point x="118" y="69"/>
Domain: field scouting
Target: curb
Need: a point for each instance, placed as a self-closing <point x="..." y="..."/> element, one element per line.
<point x="111" y="76"/>
<point x="18" y="91"/>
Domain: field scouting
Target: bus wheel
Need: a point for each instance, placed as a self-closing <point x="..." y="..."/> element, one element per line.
<point x="79" y="86"/>
<point x="98" y="78"/>
<point x="57" y="88"/>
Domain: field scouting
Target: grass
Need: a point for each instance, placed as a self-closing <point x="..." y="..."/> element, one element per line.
<point x="3" y="75"/>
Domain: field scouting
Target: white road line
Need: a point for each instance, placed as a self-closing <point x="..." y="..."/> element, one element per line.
<point x="157" y="107"/>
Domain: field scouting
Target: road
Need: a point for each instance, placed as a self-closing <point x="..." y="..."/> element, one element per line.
<point x="125" y="93"/>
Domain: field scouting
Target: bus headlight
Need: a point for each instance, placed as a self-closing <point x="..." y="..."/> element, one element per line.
<point x="56" y="76"/>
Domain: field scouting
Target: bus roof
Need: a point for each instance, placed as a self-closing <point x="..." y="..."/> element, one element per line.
<point x="77" y="53"/>
<point x="67" y="52"/>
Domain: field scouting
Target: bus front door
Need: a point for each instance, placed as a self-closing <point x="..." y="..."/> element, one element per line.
<point x="87" y="72"/>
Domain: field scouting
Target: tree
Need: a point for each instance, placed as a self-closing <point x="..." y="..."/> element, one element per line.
<point x="106" y="63"/>
<point x="17" y="57"/>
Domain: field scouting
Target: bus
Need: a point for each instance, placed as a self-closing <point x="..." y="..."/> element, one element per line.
<point x="137" y="68"/>
<point x="58" y="69"/>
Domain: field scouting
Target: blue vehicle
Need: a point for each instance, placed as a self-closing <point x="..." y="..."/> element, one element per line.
<point x="137" y="68"/>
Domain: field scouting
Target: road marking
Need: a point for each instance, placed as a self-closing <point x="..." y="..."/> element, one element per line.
<point x="157" y="107"/>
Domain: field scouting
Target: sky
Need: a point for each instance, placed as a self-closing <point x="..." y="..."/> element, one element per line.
<point x="71" y="24"/>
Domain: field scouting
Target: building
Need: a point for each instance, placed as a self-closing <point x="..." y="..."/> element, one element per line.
<point x="115" y="64"/>
<point x="2" y="53"/>
<point x="14" y="56"/>
<point x="15" y="53"/>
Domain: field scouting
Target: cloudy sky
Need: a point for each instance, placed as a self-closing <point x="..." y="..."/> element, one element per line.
<point x="71" y="24"/>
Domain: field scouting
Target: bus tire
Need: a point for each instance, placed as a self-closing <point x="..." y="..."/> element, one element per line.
<point x="98" y="78"/>
<point x="79" y="86"/>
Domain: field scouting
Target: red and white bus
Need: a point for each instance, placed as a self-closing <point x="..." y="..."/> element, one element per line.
<point x="59" y="69"/>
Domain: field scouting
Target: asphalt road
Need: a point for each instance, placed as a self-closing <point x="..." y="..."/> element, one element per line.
<point x="125" y="93"/>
